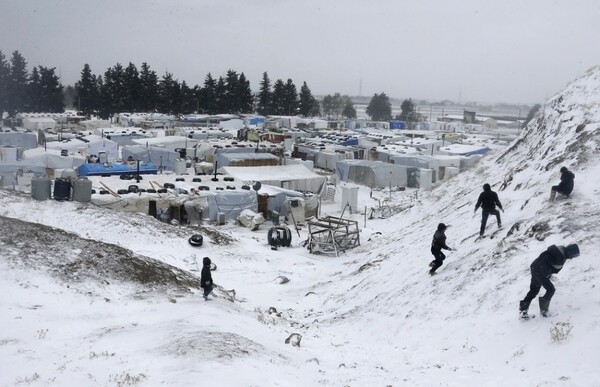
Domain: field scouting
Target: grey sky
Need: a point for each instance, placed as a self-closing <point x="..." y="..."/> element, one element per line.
<point x="475" y="50"/>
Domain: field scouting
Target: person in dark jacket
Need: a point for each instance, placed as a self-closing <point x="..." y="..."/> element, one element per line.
<point x="488" y="200"/>
<point x="206" y="281"/>
<point x="565" y="187"/>
<point x="549" y="262"/>
<point x="438" y="243"/>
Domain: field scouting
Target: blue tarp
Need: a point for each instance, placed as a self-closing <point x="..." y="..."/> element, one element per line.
<point x="396" y="124"/>
<point x="98" y="169"/>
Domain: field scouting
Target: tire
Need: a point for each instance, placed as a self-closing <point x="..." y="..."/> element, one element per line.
<point x="103" y="192"/>
<point x="122" y="192"/>
<point x="169" y="185"/>
<point x="197" y="180"/>
<point x="179" y="179"/>
<point x="270" y="236"/>
<point x="288" y="239"/>
<point x="151" y="190"/>
<point x="196" y="240"/>
<point x="246" y="187"/>
<point x="133" y="188"/>
<point x="162" y="190"/>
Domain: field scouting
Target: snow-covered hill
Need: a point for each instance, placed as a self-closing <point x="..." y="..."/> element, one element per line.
<point x="372" y="316"/>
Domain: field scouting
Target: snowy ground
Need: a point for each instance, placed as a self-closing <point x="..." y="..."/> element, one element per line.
<point x="370" y="317"/>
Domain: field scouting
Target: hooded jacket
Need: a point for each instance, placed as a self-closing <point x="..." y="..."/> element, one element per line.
<point x="439" y="241"/>
<point x="488" y="199"/>
<point x="205" y="275"/>
<point x="550" y="261"/>
<point x="566" y="182"/>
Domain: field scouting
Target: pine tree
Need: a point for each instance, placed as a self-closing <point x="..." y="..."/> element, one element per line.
<point x="220" y="102"/>
<point x="245" y="95"/>
<point x="380" y="108"/>
<point x="207" y="96"/>
<point x="34" y="97"/>
<point x="18" y="90"/>
<point x="187" y="98"/>
<point x="88" y="94"/>
<point x="264" y="105"/>
<point x="52" y="97"/>
<point x="291" y="98"/>
<point x="230" y="102"/>
<point x="169" y="95"/>
<point x="278" y="98"/>
<point x="148" y="89"/>
<point x="306" y="101"/>
<point x="133" y="88"/>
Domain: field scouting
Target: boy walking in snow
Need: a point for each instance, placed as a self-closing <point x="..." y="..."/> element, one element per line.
<point x="488" y="200"/>
<point x="438" y="243"/>
<point x="206" y="282"/>
<point x="565" y="187"/>
<point x="549" y="262"/>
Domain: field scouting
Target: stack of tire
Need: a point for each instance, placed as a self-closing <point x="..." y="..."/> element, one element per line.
<point x="279" y="236"/>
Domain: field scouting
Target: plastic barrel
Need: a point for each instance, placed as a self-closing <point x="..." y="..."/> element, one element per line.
<point x="62" y="189"/>
<point x="41" y="188"/>
<point x="82" y="190"/>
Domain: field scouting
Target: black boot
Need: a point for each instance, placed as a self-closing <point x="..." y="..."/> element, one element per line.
<point x="544" y="304"/>
<point x="523" y="307"/>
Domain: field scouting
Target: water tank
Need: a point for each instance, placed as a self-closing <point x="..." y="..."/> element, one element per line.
<point x="41" y="188"/>
<point x="62" y="189"/>
<point x="82" y="190"/>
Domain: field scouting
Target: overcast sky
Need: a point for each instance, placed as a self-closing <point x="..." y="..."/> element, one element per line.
<point x="467" y="50"/>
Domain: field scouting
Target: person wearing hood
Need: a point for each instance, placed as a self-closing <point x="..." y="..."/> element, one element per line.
<point x="438" y="243"/>
<point x="488" y="200"/>
<point x="565" y="187"/>
<point x="206" y="281"/>
<point x="549" y="262"/>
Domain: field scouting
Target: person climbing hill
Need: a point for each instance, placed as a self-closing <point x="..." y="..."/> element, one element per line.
<point x="438" y="243"/>
<point x="488" y="200"/>
<point x="549" y="262"/>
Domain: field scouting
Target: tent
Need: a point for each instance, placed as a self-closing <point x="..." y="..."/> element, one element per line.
<point x="22" y="140"/>
<point x="228" y="203"/>
<point x="245" y="159"/>
<point x="160" y="157"/>
<point x="87" y="145"/>
<point x="372" y="173"/>
<point x="293" y="177"/>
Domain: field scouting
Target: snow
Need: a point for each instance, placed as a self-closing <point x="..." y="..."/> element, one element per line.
<point x="370" y="317"/>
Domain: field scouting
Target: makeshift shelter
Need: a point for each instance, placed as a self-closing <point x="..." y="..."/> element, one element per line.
<point x="245" y="159"/>
<point x="87" y="145"/>
<point x="39" y="162"/>
<point x="222" y="206"/>
<point x="17" y="139"/>
<point x="293" y="177"/>
<point x="273" y="199"/>
<point x="162" y="158"/>
<point x="372" y="173"/>
<point x="167" y="142"/>
<point x="35" y="123"/>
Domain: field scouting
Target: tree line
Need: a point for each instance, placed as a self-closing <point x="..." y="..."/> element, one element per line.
<point x="129" y="89"/>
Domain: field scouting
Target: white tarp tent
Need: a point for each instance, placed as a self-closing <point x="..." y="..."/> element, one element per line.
<point x="162" y="158"/>
<point x="87" y="145"/>
<point x="229" y="203"/>
<point x="372" y="173"/>
<point x="22" y="140"/>
<point x="294" y="177"/>
<point x="39" y="162"/>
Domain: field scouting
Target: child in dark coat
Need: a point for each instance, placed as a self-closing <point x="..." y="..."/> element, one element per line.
<point x="549" y="262"/>
<point x="206" y="281"/>
<point x="438" y="243"/>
